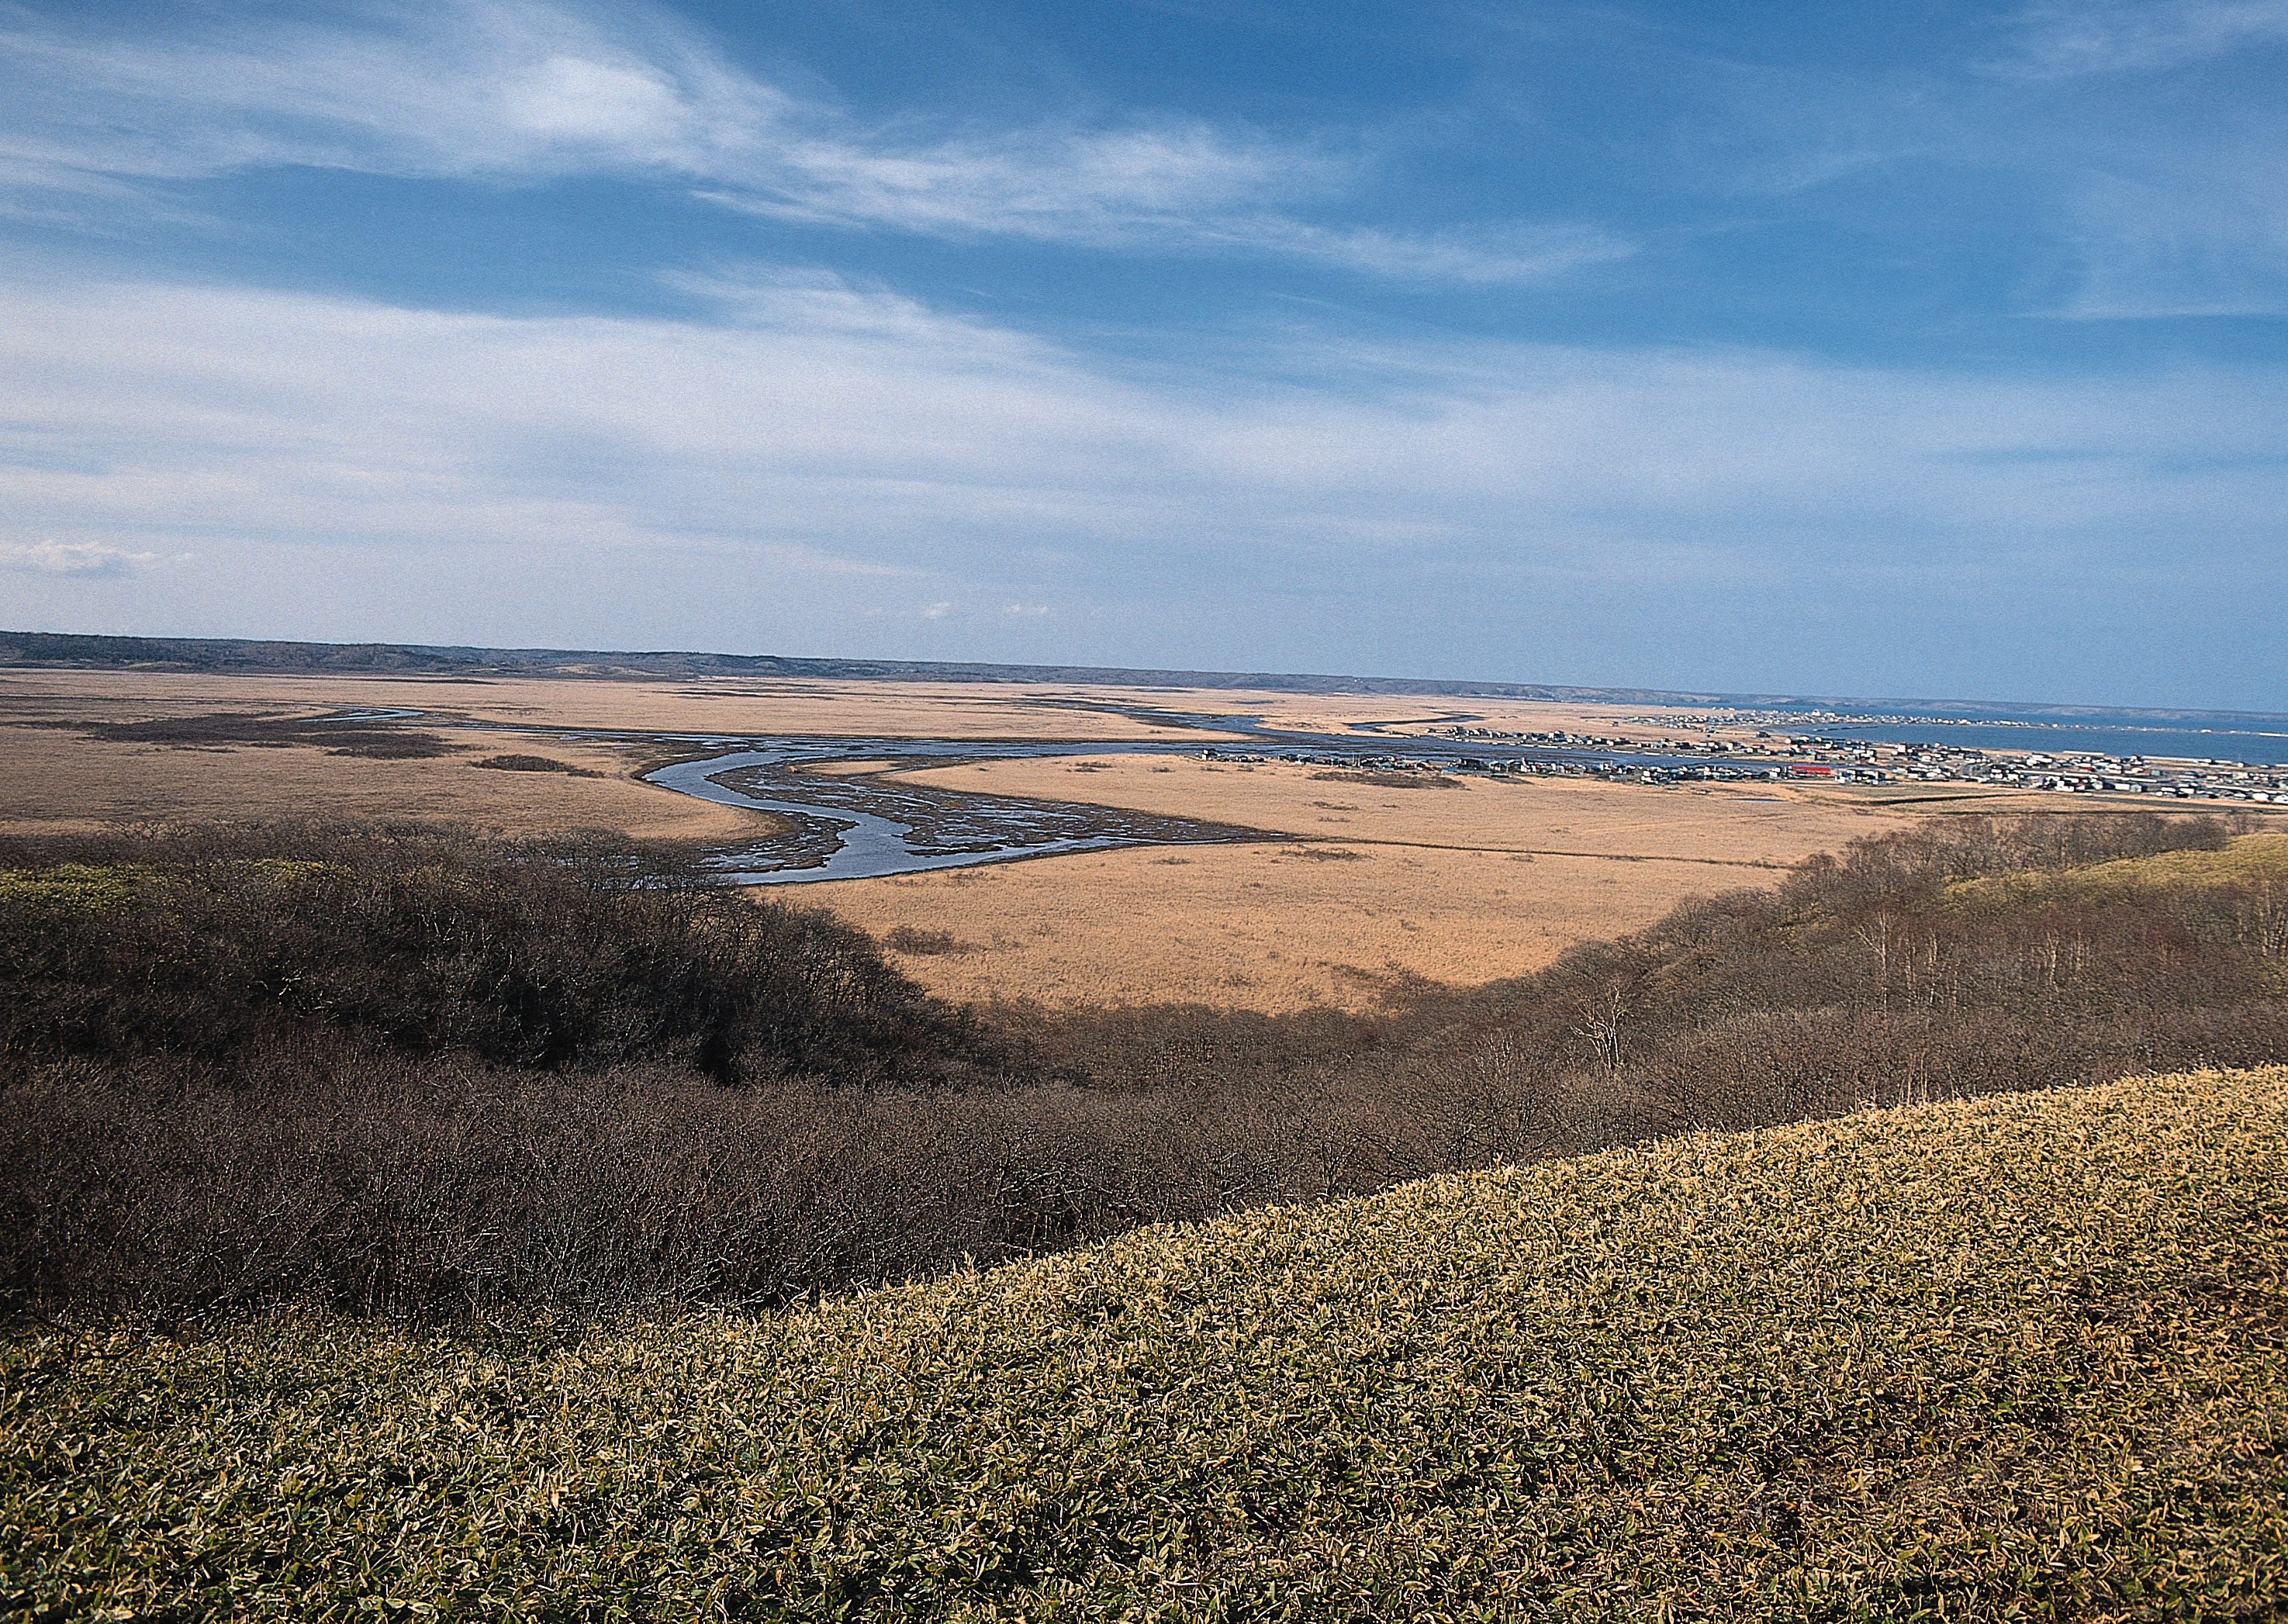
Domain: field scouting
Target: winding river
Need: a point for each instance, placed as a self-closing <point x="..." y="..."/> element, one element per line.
<point x="871" y="824"/>
<point x="862" y="828"/>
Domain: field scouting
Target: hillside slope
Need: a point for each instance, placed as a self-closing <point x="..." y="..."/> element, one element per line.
<point x="2016" y="1358"/>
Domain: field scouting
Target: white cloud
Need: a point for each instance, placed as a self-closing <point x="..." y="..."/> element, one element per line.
<point x="893" y="445"/>
<point x="574" y="98"/>
<point x="69" y="559"/>
<point x="1512" y="255"/>
<point x="825" y="455"/>
<point x="470" y="87"/>
<point x="1096" y="186"/>
<point x="510" y="89"/>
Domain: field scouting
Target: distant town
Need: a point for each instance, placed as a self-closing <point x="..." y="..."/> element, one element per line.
<point x="1773" y="756"/>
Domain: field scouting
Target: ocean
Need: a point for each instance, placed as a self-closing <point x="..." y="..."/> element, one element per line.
<point x="2259" y="741"/>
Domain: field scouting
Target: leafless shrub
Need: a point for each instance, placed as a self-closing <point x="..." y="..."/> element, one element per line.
<point x="534" y="764"/>
<point x="223" y="729"/>
<point x="910" y="938"/>
<point x="411" y="1074"/>
<point x="564" y="956"/>
<point x="1393" y="780"/>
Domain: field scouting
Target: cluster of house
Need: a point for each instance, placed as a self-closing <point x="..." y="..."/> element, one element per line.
<point x="2212" y="780"/>
<point x="1616" y="771"/>
<point x="2086" y="772"/>
<point x="1781" y="757"/>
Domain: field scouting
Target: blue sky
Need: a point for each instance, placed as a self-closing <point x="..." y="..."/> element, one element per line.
<point x="1929" y="350"/>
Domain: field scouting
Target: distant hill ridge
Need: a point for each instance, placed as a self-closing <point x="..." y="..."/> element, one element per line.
<point x="72" y="651"/>
<point x="58" y="649"/>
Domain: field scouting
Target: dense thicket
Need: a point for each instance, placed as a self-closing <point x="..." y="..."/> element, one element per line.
<point x="235" y="948"/>
<point x="413" y="1075"/>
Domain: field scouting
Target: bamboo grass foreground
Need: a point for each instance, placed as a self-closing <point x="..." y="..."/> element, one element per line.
<point x="2018" y="1358"/>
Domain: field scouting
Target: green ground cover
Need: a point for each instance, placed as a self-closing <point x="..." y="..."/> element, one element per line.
<point x="2016" y="1358"/>
<point x="66" y="887"/>
<point x="2259" y="859"/>
<point x="71" y="886"/>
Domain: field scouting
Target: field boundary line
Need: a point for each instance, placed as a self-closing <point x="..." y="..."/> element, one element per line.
<point x="1610" y="856"/>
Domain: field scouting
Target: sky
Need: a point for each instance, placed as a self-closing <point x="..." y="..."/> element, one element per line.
<point x="1923" y="350"/>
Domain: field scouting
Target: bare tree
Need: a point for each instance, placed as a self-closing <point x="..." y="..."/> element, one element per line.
<point x="1880" y="933"/>
<point x="1605" y="1008"/>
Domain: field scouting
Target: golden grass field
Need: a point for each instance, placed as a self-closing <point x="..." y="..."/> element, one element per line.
<point x="1460" y="885"/>
<point x="58" y="779"/>
<point x="2013" y="1358"/>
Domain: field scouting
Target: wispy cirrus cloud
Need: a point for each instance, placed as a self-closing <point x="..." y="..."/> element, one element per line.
<point x="1099" y="184"/>
<point x="2162" y="116"/>
<point x="1516" y="254"/>
<point x="2126" y="155"/>
<point x="2200" y="238"/>
<point x="2065" y="39"/>
<point x="471" y="87"/>
<point x="517" y="90"/>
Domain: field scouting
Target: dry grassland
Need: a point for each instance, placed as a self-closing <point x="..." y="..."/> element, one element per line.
<point x="1401" y="715"/>
<point x="56" y="778"/>
<point x="1460" y="884"/>
<point x="946" y="710"/>
<point x="877" y="710"/>
<point x="60" y="780"/>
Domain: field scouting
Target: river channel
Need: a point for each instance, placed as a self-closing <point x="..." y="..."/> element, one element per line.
<point x="865" y="825"/>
